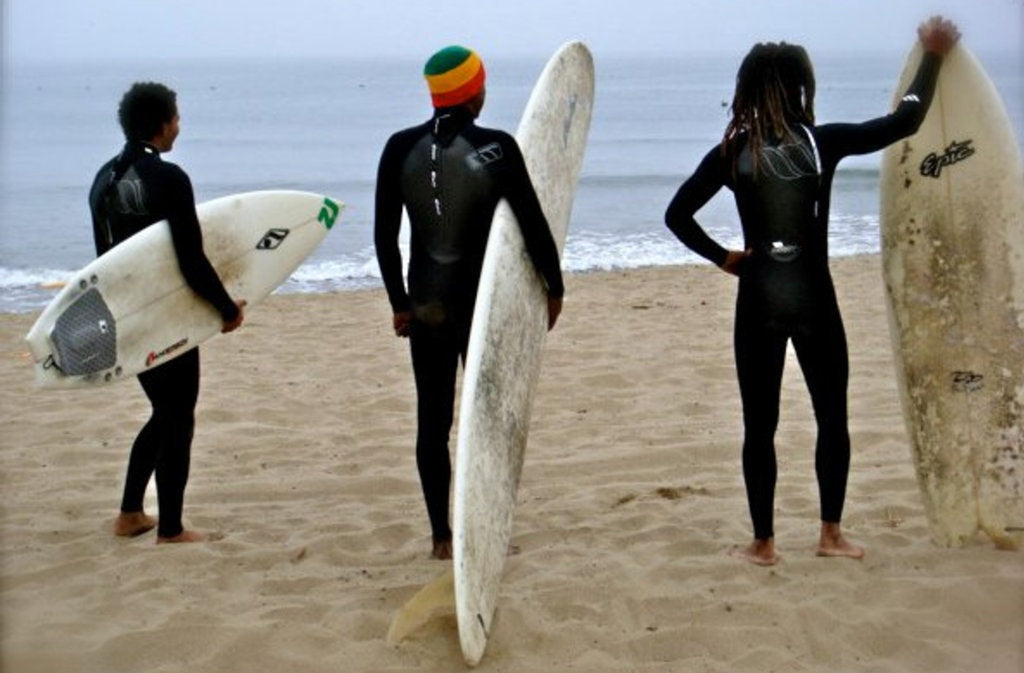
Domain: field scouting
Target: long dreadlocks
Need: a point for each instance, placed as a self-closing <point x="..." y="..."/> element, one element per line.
<point x="774" y="90"/>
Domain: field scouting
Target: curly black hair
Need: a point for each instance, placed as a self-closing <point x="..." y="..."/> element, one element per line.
<point x="145" y="108"/>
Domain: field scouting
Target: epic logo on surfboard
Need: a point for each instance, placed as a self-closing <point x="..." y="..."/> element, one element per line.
<point x="967" y="382"/>
<point x="933" y="164"/>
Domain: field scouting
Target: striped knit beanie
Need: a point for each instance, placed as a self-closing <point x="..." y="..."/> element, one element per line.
<point x="455" y="75"/>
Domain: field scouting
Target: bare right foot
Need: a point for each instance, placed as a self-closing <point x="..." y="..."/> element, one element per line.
<point x="189" y="536"/>
<point x="133" y="524"/>
<point x="758" y="552"/>
<point x="442" y="550"/>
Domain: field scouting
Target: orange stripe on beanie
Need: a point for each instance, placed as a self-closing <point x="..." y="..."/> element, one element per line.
<point x="454" y="75"/>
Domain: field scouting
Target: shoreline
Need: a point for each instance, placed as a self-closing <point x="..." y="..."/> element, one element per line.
<point x="370" y="285"/>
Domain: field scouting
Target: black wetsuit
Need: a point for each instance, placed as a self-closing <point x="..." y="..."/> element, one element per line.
<point x="449" y="174"/>
<point x="130" y="192"/>
<point x="785" y="288"/>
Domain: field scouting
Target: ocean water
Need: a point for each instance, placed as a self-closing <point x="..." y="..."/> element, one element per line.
<point x="320" y="126"/>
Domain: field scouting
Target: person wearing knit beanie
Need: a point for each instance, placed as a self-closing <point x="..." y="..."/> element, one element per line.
<point x="455" y="75"/>
<point x="448" y="174"/>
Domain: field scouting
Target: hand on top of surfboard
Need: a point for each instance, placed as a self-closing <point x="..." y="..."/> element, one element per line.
<point x="938" y="35"/>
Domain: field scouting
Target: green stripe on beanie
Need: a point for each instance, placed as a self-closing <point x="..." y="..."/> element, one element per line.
<point x="445" y="60"/>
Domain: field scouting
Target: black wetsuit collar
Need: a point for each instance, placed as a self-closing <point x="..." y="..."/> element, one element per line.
<point x="137" y="147"/>
<point x="448" y="122"/>
<point x="133" y="149"/>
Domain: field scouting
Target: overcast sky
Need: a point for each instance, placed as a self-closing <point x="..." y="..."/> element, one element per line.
<point x="76" y="30"/>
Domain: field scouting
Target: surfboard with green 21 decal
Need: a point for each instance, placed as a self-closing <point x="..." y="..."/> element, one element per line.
<point x="131" y="309"/>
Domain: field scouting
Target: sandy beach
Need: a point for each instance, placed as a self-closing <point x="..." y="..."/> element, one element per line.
<point x="631" y="499"/>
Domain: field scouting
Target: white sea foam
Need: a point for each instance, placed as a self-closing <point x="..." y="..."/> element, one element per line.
<point x="30" y="289"/>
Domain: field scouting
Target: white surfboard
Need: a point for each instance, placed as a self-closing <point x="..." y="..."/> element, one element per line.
<point x="952" y="212"/>
<point x="503" y="359"/>
<point x="131" y="310"/>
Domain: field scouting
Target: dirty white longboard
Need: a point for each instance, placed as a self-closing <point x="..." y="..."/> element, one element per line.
<point x="952" y="215"/>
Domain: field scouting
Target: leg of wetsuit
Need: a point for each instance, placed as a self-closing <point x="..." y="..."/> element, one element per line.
<point x="823" y="357"/>
<point x="760" y="356"/>
<point x="141" y="464"/>
<point x="435" y="361"/>
<point x="165" y="443"/>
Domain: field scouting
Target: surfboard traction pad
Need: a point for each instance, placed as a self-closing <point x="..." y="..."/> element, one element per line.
<point x="84" y="337"/>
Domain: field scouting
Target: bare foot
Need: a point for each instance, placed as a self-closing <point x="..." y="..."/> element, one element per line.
<point x="133" y="524"/>
<point x="758" y="552"/>
<point x="190" y="536"/>
<point x="833" y="544"/>
<point x="442" y="550"/>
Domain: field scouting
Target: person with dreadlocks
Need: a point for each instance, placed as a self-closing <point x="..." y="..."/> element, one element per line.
<point x="779" y="166"/>
<point x="449" y="174"/>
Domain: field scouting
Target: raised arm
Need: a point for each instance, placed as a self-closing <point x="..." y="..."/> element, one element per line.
<point x="937" y="36"/>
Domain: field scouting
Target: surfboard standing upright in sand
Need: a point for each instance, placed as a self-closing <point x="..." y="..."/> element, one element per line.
<point x="952" y="215"/>
<point x="503" y="359"/>
<point x="131" y="309"/>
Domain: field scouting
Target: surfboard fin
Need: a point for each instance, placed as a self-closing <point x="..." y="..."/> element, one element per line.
<point x="435" y="599"/>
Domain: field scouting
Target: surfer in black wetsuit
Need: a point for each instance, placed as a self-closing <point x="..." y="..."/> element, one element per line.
<point x="449" y="174"/>
<point x="780" y="166"/>
<point x="132" y="191"/>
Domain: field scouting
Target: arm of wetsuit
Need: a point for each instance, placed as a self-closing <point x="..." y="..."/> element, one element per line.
<point x="188" y="246"/>
<point x="388" y="223"/>
<point x="838" y="140"/>
<point x="97" y="208"/>
<point x="691" y="197"/>
<point x="540" y="244"/>
<point x="101" y="234"/>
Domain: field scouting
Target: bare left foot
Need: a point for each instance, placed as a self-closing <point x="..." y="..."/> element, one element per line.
<point x="758" y="552"/>
<point x="833" y="544"/>
<point x="133" y="524"/>
<point x="190" y="536"/>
